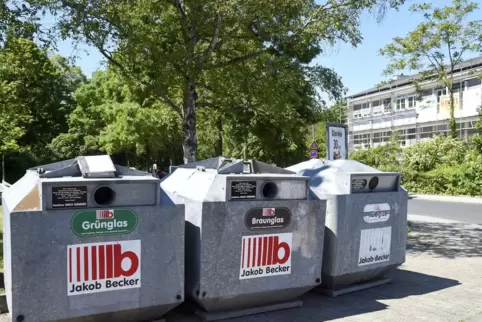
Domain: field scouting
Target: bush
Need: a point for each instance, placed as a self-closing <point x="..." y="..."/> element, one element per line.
<point x="443" y="165"/>
<point x="428" y="155"/>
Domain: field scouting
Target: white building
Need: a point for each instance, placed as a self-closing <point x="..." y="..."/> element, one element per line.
<point x="373" y="114"/>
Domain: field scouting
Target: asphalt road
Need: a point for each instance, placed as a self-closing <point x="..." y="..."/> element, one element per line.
<point x="458" y="211"/>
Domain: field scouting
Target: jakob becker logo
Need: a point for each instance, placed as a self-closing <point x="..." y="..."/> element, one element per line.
<point x="101" y="267"/>
<point x="265" y="255"/>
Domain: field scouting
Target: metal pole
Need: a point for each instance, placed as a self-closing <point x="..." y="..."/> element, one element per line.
<point x="3" y="168"/>
<point x="313" y="131"/>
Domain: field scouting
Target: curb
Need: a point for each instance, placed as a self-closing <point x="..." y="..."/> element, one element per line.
<point x="443" y="198"/>
<point x="430" y="219"/>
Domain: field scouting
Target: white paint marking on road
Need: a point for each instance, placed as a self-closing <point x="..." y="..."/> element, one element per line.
<point x="420" y="218"/>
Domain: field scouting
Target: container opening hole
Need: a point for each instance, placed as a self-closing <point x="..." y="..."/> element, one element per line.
<point x="104" y="196"/>
<point x="373" y="183"/>
<point x="270" y="190"/>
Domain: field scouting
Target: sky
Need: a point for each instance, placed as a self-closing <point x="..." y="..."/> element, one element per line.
<point x="360" y="68"/>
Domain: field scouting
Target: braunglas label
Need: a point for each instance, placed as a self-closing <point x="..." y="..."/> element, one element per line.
<point x="265" y="255"/>
<point x="374" y="213"/>
<point x="375" y="246"/>
<point x="101" y="267"/>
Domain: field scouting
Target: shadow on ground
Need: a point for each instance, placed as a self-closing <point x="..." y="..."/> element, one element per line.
<point x="445" y="240"/>
<point x="319" y="308"/>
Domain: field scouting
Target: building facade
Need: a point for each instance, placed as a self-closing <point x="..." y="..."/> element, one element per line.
<point x="419" y="115"/>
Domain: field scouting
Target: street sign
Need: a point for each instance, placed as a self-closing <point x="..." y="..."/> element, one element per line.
<point x="336" y="141"/>
<point x="314" y="146"/>
<point x="313" y="154"/>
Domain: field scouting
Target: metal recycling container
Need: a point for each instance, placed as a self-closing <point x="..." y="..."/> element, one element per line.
<point x="85" y="239"/>
<point x="253" y="238"/>
<point x="366" y="220"/>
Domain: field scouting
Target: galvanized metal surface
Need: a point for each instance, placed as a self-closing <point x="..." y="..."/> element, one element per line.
<point x="358" y="224"/>
<point x="216" y="228"/>
<point x="36" y="250"/>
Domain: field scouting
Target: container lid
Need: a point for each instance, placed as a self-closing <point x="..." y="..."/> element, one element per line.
<point x="227" y="165"/>
<point x="97" y="166"/>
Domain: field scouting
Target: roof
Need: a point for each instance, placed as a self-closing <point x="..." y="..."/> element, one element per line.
<point x="405" y="80"/>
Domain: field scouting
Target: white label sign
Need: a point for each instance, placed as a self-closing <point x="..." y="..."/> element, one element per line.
<point x="374" y="213"/>
<point x="375" y="246"/>
<point x="101" y="267"/>
<point x="336" y="143"/>
<point x="265" y="255"/>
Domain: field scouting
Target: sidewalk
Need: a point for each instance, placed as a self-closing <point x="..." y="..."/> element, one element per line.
<point x="440" y="281"/>
<point x="463" y="199"/>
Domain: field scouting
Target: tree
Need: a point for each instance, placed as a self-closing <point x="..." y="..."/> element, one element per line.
<point x="171" y="46"/>
<point x="477" y="139"/>
<point x="337" y="113"/>
<point x="39" y="90"/>
<point x="111" y="117"/>
<point x="35" y="99"/>
<point x="19" y="19"/>
<point x="437" y="45"/>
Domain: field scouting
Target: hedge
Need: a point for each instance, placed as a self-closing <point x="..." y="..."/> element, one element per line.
<point x="443" y="165"/>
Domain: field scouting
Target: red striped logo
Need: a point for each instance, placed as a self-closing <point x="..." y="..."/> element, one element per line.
<point x="100" y="267"/>
<point x="269" y="211"/>
<point x="104" y="214"/>
<point x="265" y="255"/>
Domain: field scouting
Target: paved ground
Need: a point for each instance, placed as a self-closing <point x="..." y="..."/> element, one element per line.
<point x="462" y="209"/>
<point x="440" y="281"/>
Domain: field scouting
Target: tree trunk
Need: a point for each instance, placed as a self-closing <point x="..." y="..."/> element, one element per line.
<point x="219" y="141"/>
<point x="453" y="126"/>
<point x="189" y="140"/>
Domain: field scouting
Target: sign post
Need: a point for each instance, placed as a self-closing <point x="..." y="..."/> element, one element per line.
<point x="336" y="141"/>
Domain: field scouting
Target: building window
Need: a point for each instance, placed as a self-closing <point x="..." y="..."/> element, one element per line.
<point x="427" y="93"/>
<point x="456" y="87"/>
<point x="474" y="82"/>
<point x="411" y="102"/>
<point x="440" y="92"/>
<point x="401" y="104"/>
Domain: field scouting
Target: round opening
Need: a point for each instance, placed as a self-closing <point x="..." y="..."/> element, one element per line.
<point x="270" y="190"/>
<point x="104" y="196"/>
<point x="373" y="183"/>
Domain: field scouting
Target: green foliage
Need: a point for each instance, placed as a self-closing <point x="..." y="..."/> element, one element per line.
<point x="427" y="156"/>
<point x="338" y="113"/>
<point x="218" y="54"/>
<point x="477" y="139"/>
<point x="35" y="100"/>
<point x="437" y="45"/>
<point x="443" y="165"/>
<point x="113" y="118"/>
<point x="385" y="157"/>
